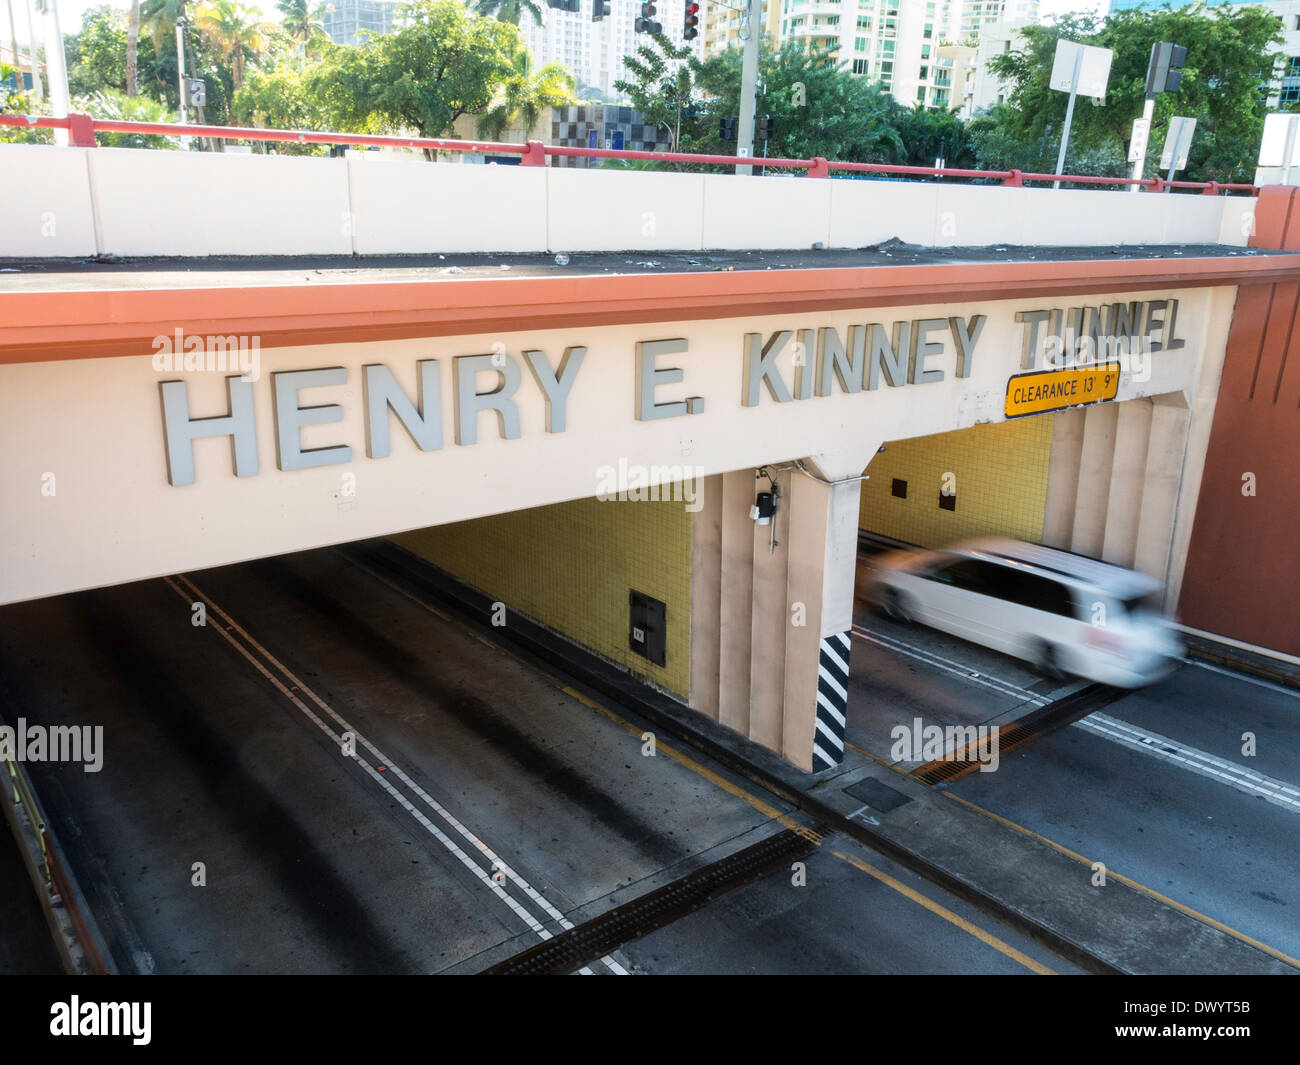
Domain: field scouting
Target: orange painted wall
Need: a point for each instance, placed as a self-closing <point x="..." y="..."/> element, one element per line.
<point x="1243" y="563"/>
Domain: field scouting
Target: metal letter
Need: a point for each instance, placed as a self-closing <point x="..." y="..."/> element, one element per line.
<point x="424" y="425"/>
<point x="181" y="430"/>
<point x="760" y="365"/>
<point x="556" y="386"/>
<point x="469" y="402"/>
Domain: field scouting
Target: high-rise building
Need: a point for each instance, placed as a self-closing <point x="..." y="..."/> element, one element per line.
<point x="344" y="20"/>
<point x="594" y="51"/>
<point x="921" y="50"/>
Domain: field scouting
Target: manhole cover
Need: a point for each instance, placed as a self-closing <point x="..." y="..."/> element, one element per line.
<point x="878" y="796"/>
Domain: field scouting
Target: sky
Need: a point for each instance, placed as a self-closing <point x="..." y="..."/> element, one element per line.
<point x="70" y="11"/>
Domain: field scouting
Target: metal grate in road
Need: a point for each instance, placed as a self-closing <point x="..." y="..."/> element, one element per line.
<point x="1055" y="715"/>
<point x="594" y="939"/>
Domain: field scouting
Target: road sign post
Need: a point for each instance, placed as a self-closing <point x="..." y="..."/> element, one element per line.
<point x="1076" y="67"/>
<point x="1177" y="143"/>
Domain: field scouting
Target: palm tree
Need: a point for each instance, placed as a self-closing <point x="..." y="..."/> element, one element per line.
<point x="304" y="23"/>
<point x="235" y="30"/>
<point x="159" y="18"/>
<point x="524" y="92"/>
<point x="132" y="47"/>
<point x="508" y="10"/>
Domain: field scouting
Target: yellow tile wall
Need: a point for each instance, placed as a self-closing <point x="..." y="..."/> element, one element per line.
<point x="571" y="565"/>
<point x="1001" y="482"/>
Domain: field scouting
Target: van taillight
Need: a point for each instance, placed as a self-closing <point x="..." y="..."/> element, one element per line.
<point x="1105" y="640"/>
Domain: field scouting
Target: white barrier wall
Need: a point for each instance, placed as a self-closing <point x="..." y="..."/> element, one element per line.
<point x="72" y="202"/>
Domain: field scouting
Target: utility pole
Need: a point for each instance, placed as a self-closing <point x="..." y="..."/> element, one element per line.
<point x="181" y="81"/>
<point x="748" y="85"/>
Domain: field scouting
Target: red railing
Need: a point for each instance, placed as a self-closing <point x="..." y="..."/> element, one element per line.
<point x="82" y="129"/>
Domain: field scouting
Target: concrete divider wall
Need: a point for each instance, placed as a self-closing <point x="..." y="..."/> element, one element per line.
<point x="411" y="207"/>
<point x="134" y="202"/>
<point x="45" y="207"/>
<point x="200" y="203"/>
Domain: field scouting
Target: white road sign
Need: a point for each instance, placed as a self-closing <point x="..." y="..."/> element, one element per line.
<point x="1094" y="68"/>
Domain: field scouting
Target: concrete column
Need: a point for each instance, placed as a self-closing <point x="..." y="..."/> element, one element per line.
<point x="1127" y="480"/>
<point x="1095" y="466"/>
<point x="770" y="618"/>
<point x="737" y="599"/>
<point x="824" y="545"/>
<point x="770" y="626"/>
<point x="706" y="595"/>
<point x="1063" y="478"/>
<point x="1166" y="450"/>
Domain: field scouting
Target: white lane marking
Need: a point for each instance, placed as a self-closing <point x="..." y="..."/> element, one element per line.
<point x="1208" y="765"/>
<point x="483" y="875"/>
<point x="1230" y="773"/>
<point x="1270" y="685"/>
<point x="996" y="684"/>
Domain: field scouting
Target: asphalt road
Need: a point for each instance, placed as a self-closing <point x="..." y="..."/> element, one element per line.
<point x="1157" y="812"/>
<point x="328" y="776"/>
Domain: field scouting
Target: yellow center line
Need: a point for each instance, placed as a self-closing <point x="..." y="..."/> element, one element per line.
<point x="948" y="915"/>
<point x="1180" y="907"/>
<point x="735" y="790"/>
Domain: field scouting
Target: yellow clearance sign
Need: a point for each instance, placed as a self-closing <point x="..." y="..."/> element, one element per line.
<point x="1034" y="393"/>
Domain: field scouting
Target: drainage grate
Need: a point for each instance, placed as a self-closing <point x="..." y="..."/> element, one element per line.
<point x="1065" y="711"/>
<point x="576" y="947"/>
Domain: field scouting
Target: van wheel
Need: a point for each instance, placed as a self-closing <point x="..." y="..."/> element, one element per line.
<point x="1047" y="661"/>
<point x="895" y="606"/>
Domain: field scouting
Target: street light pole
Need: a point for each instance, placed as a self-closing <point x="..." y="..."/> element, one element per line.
<point x="181" y="85"/>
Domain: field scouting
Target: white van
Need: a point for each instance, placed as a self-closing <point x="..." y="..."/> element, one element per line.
<point x="1068" y="615"/>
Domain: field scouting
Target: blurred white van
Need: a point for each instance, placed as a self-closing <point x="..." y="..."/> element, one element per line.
<point x="1068" y="615"/>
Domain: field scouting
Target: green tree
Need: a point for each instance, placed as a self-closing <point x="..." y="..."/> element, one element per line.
<point x="304" y="24"/>
<point x="661" y="86"/>
<point x="508" y="10"/>
<point x="524" y="92"/>
<point x="236" y="31"/>
<point x="817" y="107"/>
<point x="158" y="18"/>
<point x="279" y="99"/>
<point x="928" y="135"/>
<point x="1231" y="57"/>
<point x="441" y="63"/>
<point x="132" y="48"/>
<point x="108" y="103"/>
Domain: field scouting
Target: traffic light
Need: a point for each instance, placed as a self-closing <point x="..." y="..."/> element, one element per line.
<point x="1165" y="71"/>
<point x="565" y="5"/>
<point x="767" y="127"/>
<point x="646" y="23"/>
<point x="727" y="129"/>
<point x="690" y="21"/>
<point x="599" y="9"/>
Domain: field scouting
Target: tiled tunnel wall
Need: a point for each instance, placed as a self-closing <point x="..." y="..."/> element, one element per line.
<point x="571" y="566"/>
<point x="998" y="474"/>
